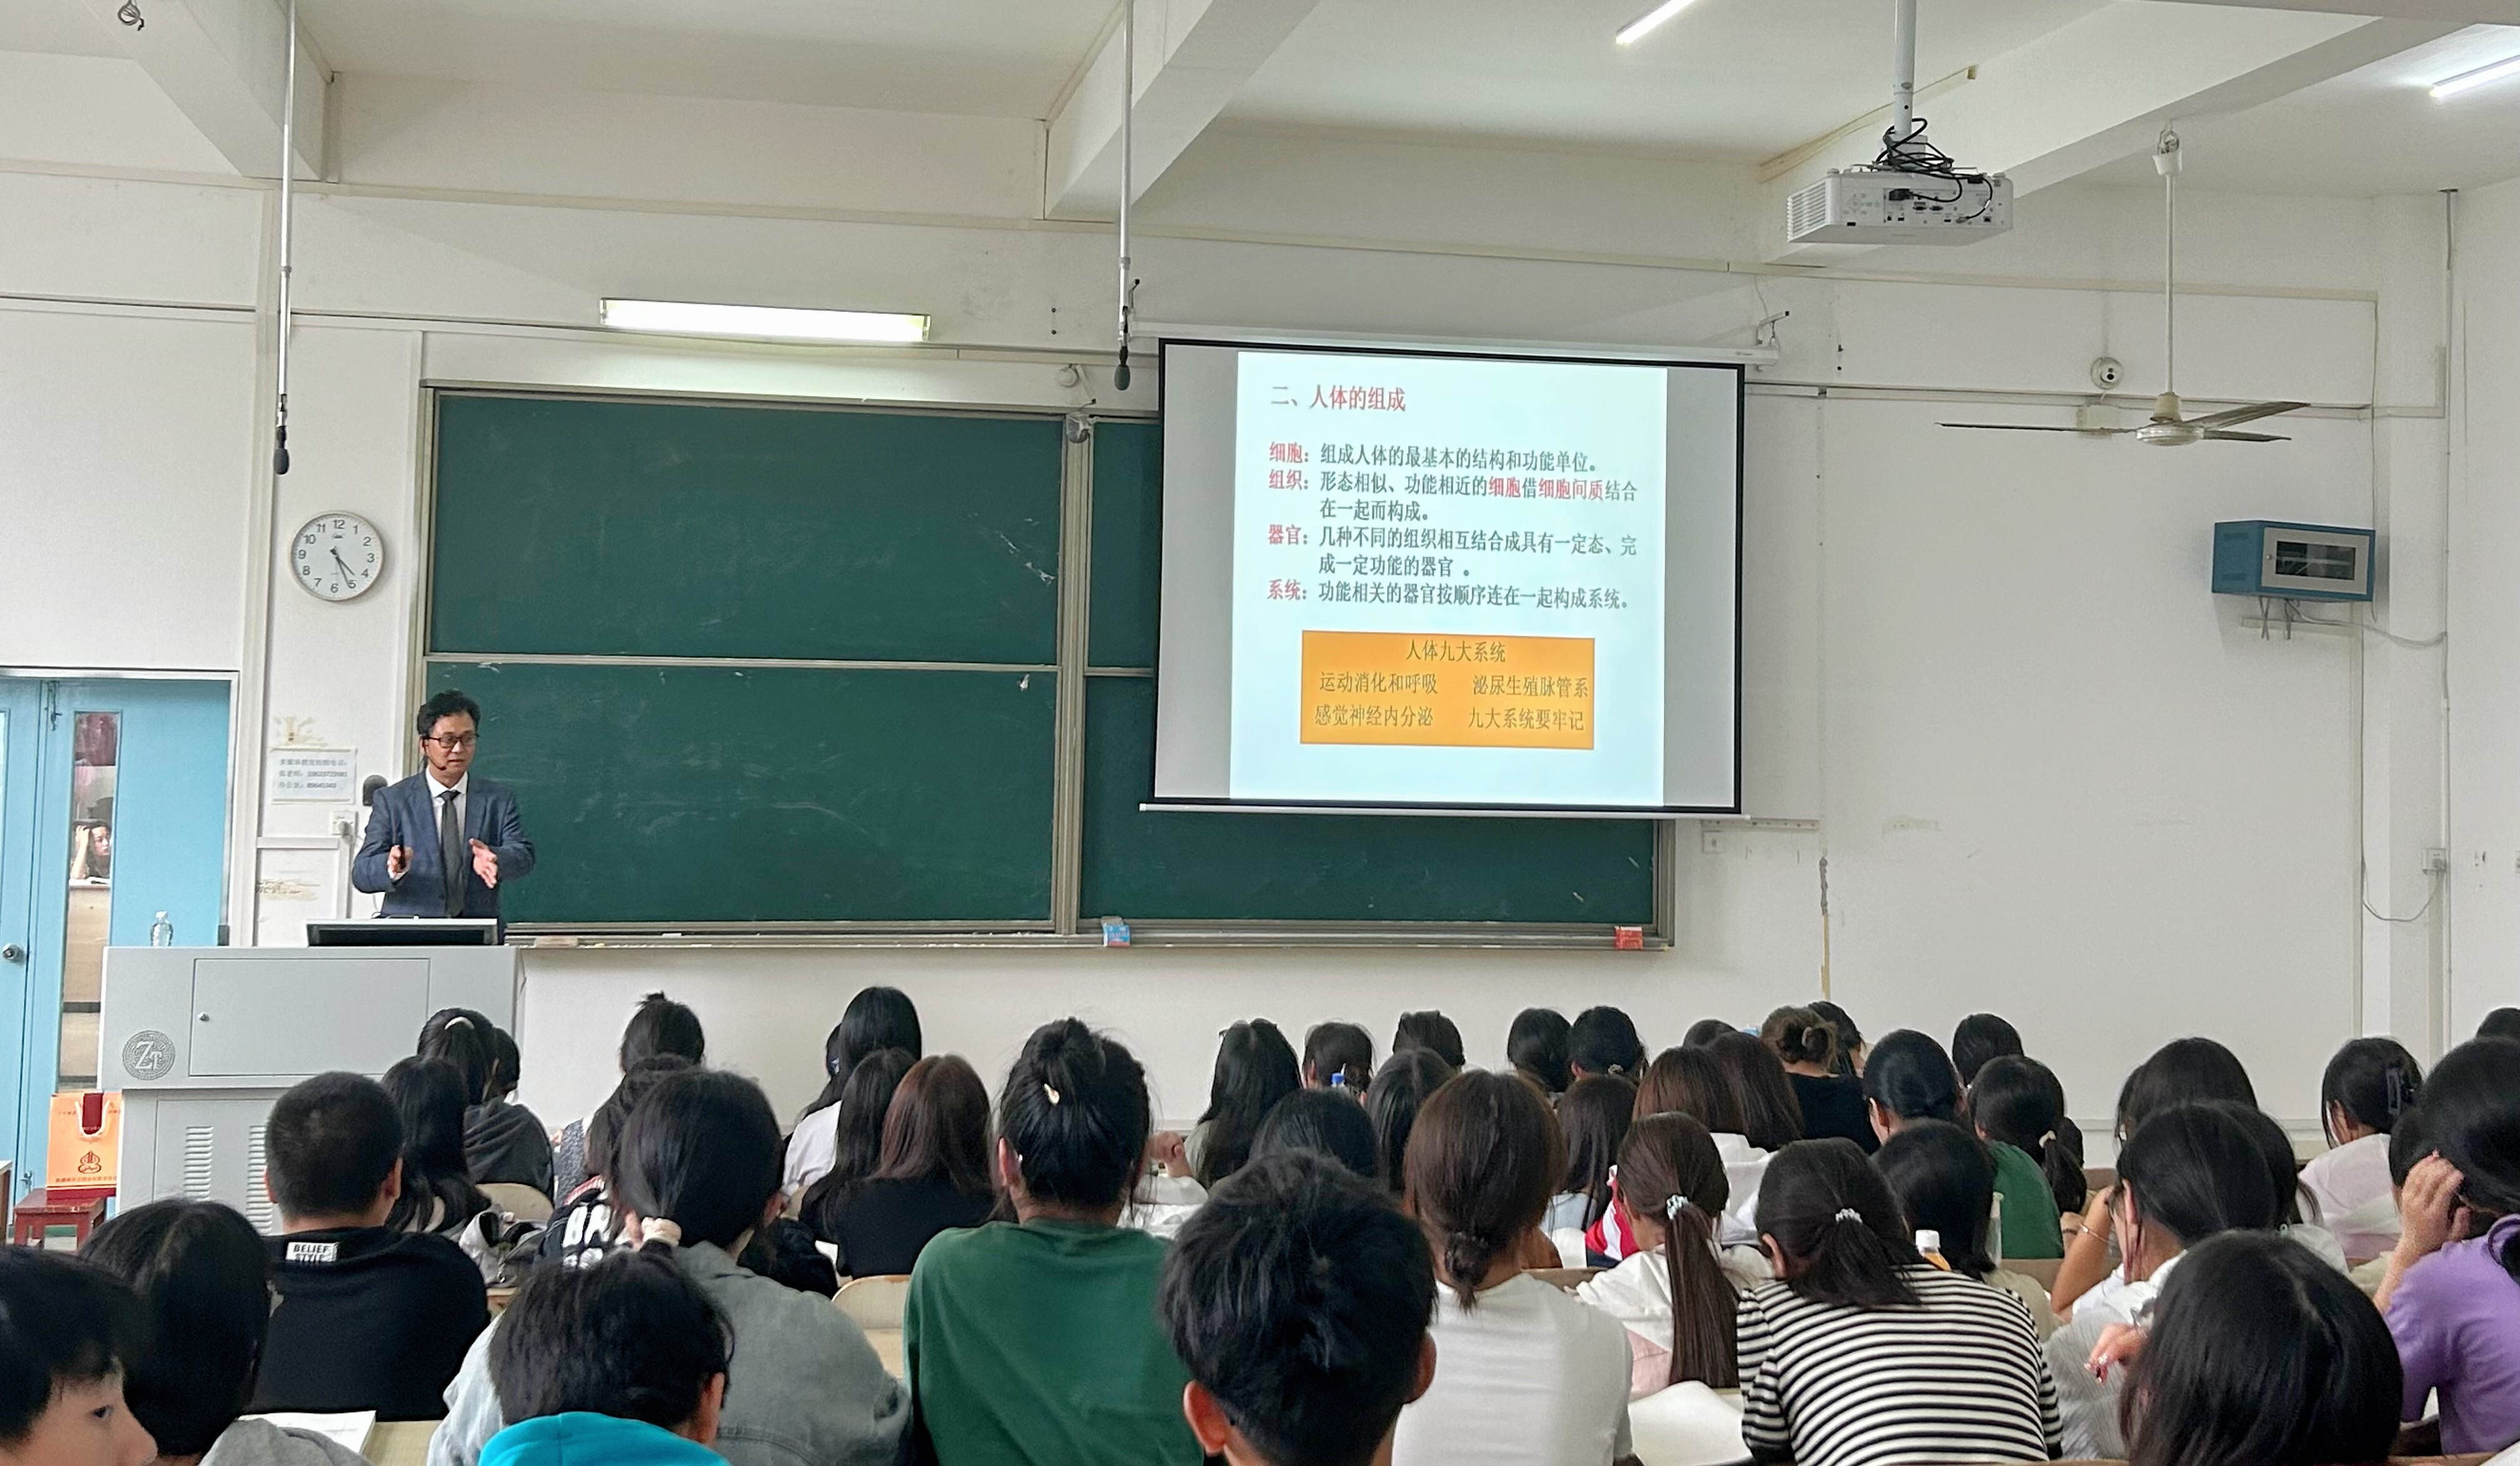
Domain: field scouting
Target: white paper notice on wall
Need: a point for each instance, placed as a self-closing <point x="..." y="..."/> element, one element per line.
<point x="316" y="775"/>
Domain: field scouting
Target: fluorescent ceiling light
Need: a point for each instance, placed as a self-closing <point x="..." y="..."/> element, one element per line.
<point x="2451" y="86"/>
<point x="1642" y="25"/>
<point x="772" y="322"/>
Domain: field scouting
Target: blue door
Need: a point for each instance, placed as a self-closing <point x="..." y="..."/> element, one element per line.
<point x="112" y="810"/>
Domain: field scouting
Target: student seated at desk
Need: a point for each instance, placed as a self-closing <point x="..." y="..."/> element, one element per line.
<point x="2369" y="1087"/>
<point x="1037" y="1341"/>
<point x="368" y="1317"/>
<point x="1909" y="1079"/>
<point x="698" y="1169"/>
<point x="586" y="1226"/>
<point x="659" y="1025"/>
<point x="875" y="1020"/>
<point x="622" y="1363"/>
<point x="931" y="1175"/>
<point x="203" y="1281"/>
<point x="1944" y="1182"/>
<point x="504" y="1142"/>
<point x="1298" y="1297"/>
<point x="68" y="1331"/>
<point x="437" y="1191"/>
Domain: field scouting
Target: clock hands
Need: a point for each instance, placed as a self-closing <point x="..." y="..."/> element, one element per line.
<point x="345" y="567"/>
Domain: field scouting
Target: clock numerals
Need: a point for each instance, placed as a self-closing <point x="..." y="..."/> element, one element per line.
<point x="338" y="556"/>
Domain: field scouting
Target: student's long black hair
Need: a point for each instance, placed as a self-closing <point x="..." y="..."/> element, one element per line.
<point x="203" y="1281"/>
<point x="1537" y="1044"/>
<point x="866" y="1102"/>
<point x="1074" y="1113"/>
<point x="2196" y="1171"/>
<point x="2262" y="1355"/>
<point x="1255" y="1068"/>
<point x="1845" y="1240"/>
<point x="1944" y="1183"/>
<point x="1339" y="1051"/>
<point x="662" y="1026"/>
<point x="1669" y="1171"/>
<point x="2274" y="1151"/>
<point x="1400" y="1090"/>
<point x="878" y="1018"/>
<point x="1482" y="1161"/>
<point x="1981" y="1037"/>
<point x="1909" y="1074"/>
<point x="1430" y="1030"/>
<point x="2373" y="1081"/>
<point x="2471" y="1114"/>
<point x="2019" y="1102"/>
<point x="461" y="1037"/>
<point x="1327" y="1122"/>
<point x="1772" y="1117"/>
<point x="429" y="1096"/>
<point x="702" y="1151"/>
<point x="1595" y="1114"/>
<point x="2182" y="1072"/>
<point x="1604" y="1040"/>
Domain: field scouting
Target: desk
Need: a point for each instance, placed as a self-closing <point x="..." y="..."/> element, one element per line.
<point x="400" y="1443"/>
<point x="887" y="1348"/>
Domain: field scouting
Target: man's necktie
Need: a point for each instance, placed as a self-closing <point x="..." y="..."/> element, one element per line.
<point x="450" y="854"/>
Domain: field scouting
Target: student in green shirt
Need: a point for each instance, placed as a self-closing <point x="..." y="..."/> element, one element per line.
<point x="1036" y="1341"/>
<point x="1907" y="1079"/>
<point x="2018" y="1109"/>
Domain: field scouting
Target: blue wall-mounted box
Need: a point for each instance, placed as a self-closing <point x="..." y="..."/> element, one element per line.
<point x="2295" y="562"/>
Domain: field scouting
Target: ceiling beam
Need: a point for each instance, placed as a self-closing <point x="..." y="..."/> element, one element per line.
<point x="1192" y="57"/>
<point x="2101" y="87"/>
<point x="221" y="63"/>
<point x="2458" y="12"/>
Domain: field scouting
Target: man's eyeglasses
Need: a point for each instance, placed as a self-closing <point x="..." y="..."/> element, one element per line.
<point x="454" y="741"/>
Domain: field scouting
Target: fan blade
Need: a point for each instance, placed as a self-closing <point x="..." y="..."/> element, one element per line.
<point x="2222" y="435"/>
<point x="2033" y="428"/>
<point x="2249" y="414"/>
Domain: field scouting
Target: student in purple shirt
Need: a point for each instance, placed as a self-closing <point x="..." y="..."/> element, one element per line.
<point x="2451" y="1293"/>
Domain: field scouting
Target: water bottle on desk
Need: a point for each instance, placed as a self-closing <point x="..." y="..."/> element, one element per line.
<point x="161" y="932"/>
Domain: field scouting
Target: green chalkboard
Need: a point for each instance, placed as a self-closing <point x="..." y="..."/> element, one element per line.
<point x="1334" y="867"/>
<point x="683" y="793"/>
<point x="1128" y="544"/>
<point x="665" y="529"/>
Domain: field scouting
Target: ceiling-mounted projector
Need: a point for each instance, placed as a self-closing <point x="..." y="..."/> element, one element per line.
<point x="1891" y="207"/>
<point x="1912" y="193"/>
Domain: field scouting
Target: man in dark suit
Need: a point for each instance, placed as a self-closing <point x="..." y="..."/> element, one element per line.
<point x="440" y="842"/>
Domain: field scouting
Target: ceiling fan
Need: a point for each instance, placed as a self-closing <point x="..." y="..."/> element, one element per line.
<point x="2168" y="427"/>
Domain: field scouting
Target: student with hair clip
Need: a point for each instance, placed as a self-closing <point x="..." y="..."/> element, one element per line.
<point x="1537" y="1046"/>
<point x="1595" y="1114"/>
<point x="932" y="1175"/>
<point x="1863" y="1351"/>
<point x="1298" y="1299"/>
<point x="586" y="1226"/>
<point x="1255" y="1068"/>
<point x="1037" y="1340"/>
<point x="1979" y="1039"/>
<point x="697" y="1175"/>
<point x="2262" y="1358"/>
<point x="1338" y="1054"/>
<point x="2017" y="1102"/>
<point x="1432" y="1032"/>
<point x="1604" y="1040"/>
<point x="1832" y="1105"/>
<point x="2369" y="1087"/>
<point x="1400" y="1090"/>
<point x="657" y="1026"/>
<point x="866" y="1103"/>
<point x="461" y="1037"/>
<point x="2193" y="1171"/>
<point x="504" y="1142"/>
<point x="1525" y="1374"/>
<point x="2451" y="1293"/>
<point x="1909" y="1079"/>
<point x="1325" y="1122"/>
<point x="68" y="1333"/>
<point x="876" y="1019"/>
<point x="204" y="1282"/>
<point x="437" y="1191"/>
<point x="1771" y="1117"/>
<point x="624" y="1363"/>
<point x="1692" y="1081"/>
<point x="1679" y="1295"/>
<point x="1944" y="1183"/>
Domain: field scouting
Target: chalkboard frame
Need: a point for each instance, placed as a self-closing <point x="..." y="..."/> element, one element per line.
<point x="1068" y="926"/>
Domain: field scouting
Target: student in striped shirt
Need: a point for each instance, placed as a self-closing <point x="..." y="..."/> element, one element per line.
<point x="1864" y="1354"/>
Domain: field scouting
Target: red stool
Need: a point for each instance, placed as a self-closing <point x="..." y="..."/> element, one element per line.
<point x="81" y="1210"/>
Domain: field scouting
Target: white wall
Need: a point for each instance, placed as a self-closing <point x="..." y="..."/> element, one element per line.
<point x="2052" y="775"/>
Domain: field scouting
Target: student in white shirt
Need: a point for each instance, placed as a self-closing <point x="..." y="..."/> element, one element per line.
<point x="878" y="1018"/>
<point x="1524" y="1374"/>
<point x="2369" y="1085"/>
<point x="1692" y="1081"/>
<point x="2192" y="1171"/>
<point x="1677" y="1296"/>
<point x="1594" y="1114"/>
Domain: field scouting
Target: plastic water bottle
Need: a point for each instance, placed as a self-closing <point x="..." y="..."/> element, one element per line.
<point x="161" y="932"/>
<point x="1338" y="1081"/>
<point x="1929" y="1245"/>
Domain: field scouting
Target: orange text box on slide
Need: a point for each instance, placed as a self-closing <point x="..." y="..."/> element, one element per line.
<point x="1460" y="692"/>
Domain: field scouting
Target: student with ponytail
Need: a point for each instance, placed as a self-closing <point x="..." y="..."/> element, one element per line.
<point x="2019" y="1103"/>
<point x="1524" y="1374"/>
<point x="1691" y="1080"/>
<point x="1679" y="1296"/>
<point x="1944" y="1182"/>
<point x="1909" y="1079"/>
<point x="1832" y="1102"/>
<point x="696" y="1175"/>
<point x="1037" y="1340"/>
<point x="1340" y="1054"/>
<point x="2370" y="1086"/>
<point x="1866" y="1353"/>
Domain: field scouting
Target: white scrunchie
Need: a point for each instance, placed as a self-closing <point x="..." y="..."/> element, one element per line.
<point x="663" y="1230"/>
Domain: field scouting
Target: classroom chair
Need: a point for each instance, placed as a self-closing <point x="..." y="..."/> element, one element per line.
<point x="519" y="1202"/>
<point x="875" y="1303"/>
<point x="82" y="1211"/>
